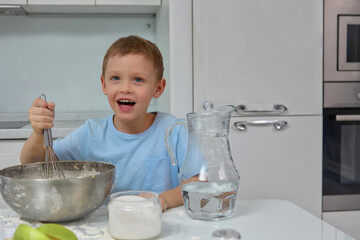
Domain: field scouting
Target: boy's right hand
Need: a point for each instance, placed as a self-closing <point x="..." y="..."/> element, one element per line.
<point x="41" y="115"/>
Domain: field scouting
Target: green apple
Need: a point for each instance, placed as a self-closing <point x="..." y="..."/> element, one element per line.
<point x="50" y="231"/>
<point x="25" y="232"/>
<point x="57" y="231"/>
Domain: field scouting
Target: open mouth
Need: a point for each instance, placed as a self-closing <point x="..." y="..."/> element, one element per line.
<point x="126" y="103"/>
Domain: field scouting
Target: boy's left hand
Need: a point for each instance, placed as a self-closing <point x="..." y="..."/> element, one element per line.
<point x="163" y="203"/>
<point x="162" y="200"/>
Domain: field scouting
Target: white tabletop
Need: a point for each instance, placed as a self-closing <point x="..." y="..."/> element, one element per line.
<point x="253" y="219"/>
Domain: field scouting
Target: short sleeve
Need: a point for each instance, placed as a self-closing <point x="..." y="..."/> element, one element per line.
<point x="72" y="146"/>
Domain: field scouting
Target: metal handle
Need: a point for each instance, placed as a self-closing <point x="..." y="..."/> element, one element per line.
<point x="48" y="140"/>
<point x="278" y="108"/>
<point x="278" y="125"/>
<point x="344" y="118"/>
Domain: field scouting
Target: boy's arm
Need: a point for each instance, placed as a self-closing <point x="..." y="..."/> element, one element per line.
<point x="33" y="149"/>
<point x="171" y="198"/>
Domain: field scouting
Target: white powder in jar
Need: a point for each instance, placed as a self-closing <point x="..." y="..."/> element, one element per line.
<point x="134" y="217"/>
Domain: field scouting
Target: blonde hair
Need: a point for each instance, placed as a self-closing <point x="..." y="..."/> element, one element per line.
<point x="136" y="45"/>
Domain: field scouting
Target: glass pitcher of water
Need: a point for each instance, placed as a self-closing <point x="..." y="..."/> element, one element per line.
<point x="208" y="178"/>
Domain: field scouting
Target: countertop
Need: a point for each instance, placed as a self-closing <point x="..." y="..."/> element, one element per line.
<point x="254" y="219"/>
<point x="17" y="126"/>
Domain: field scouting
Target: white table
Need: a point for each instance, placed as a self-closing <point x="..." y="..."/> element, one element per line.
<point x="253" y="219"/>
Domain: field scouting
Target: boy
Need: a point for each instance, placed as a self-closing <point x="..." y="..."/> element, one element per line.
<point x="132" y="139"/>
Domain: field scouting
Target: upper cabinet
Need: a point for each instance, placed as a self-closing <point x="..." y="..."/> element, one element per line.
<point x="61" y="2"/>
<point x="88" y="6"/>
<point x="129" y="2"/>
<point x="259" y="53"/>
<point x="13" y="1"/>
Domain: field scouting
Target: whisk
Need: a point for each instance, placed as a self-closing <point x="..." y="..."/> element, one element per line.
<point x="52" y="166"/>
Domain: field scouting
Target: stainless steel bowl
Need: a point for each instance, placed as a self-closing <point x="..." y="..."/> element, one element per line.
<point x="85" y="188"/>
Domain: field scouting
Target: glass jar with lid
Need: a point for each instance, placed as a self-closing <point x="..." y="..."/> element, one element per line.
<point x="134" y="215"/>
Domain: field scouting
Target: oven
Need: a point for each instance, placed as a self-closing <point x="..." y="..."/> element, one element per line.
<point x="341" y="146"/>
<point x="341" y="112"/>
<point x="341" y="40"/>
<point x="341" y="115"/>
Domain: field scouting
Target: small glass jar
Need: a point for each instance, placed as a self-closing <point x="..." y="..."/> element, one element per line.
<point x="134" y="215"/>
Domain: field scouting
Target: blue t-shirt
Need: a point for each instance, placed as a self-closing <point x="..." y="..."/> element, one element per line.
<point x="141" y="160"/>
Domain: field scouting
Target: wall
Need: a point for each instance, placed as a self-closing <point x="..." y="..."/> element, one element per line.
<point x="61" y="56"/>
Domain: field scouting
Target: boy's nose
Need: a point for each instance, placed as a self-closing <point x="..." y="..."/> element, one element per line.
<point x="126" y="87"/>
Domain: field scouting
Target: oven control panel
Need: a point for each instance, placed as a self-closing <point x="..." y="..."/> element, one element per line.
<point x="344" y="94"/>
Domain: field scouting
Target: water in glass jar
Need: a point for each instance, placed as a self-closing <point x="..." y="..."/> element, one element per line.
<point x="210" y="200"/>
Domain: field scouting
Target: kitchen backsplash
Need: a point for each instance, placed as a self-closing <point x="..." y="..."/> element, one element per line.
<point x="61" y="56"/>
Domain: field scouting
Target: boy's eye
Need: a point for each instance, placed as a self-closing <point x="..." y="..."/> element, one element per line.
<point x="115" y="78"/>
<point x="139" y="80"/>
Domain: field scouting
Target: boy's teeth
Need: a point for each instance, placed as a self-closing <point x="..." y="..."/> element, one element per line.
<point x="127" y="102"/>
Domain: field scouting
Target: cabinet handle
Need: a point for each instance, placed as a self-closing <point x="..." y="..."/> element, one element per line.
<point x="278" y="108"/>
<point x="278" y="125"/>
<point x="344" y="118"/>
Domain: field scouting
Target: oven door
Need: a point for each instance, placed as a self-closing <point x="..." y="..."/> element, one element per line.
<point x="349" y="43"/>
<point x="341" y="159"/>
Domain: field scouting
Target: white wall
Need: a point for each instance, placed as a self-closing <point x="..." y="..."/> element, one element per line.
<point x="61" y="56"/>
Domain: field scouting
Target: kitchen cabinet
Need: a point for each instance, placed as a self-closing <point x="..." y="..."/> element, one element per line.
<point x="346" y="221"/>
<point x="87" y="2"/>
<point x="9" y="156"/>
<point x="13" y="1"/>
<point x="261" y="53"/>
<point x="88" y="6"/>
<point x="128" y="2"/>
<point x="61" y="2"/>
<point x="280" y="164"/>
<point x="10" y="152"/>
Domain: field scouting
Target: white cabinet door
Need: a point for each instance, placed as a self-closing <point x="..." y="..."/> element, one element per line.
<point x="12" y="1"/>
<point x="10" y="152"/>
<point x="346" y="221"/>
<point x="284" y="164"/>
<point x="129" y="2"/>
<point x="61" y="2"/>
<point x="9" y="156"/>
<point x="259" y="53"/>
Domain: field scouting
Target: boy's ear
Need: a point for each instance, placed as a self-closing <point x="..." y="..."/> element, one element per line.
<point x="160" y="88"/>
<point x="103" y="84"/>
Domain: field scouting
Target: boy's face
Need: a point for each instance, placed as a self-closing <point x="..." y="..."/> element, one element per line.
<point x="130" y="83"/>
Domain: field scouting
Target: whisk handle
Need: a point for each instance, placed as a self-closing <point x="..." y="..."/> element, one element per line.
<point x="48" y="141"/>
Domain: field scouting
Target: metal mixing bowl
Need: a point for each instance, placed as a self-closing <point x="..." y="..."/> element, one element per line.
<point x="85" y="188"/>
